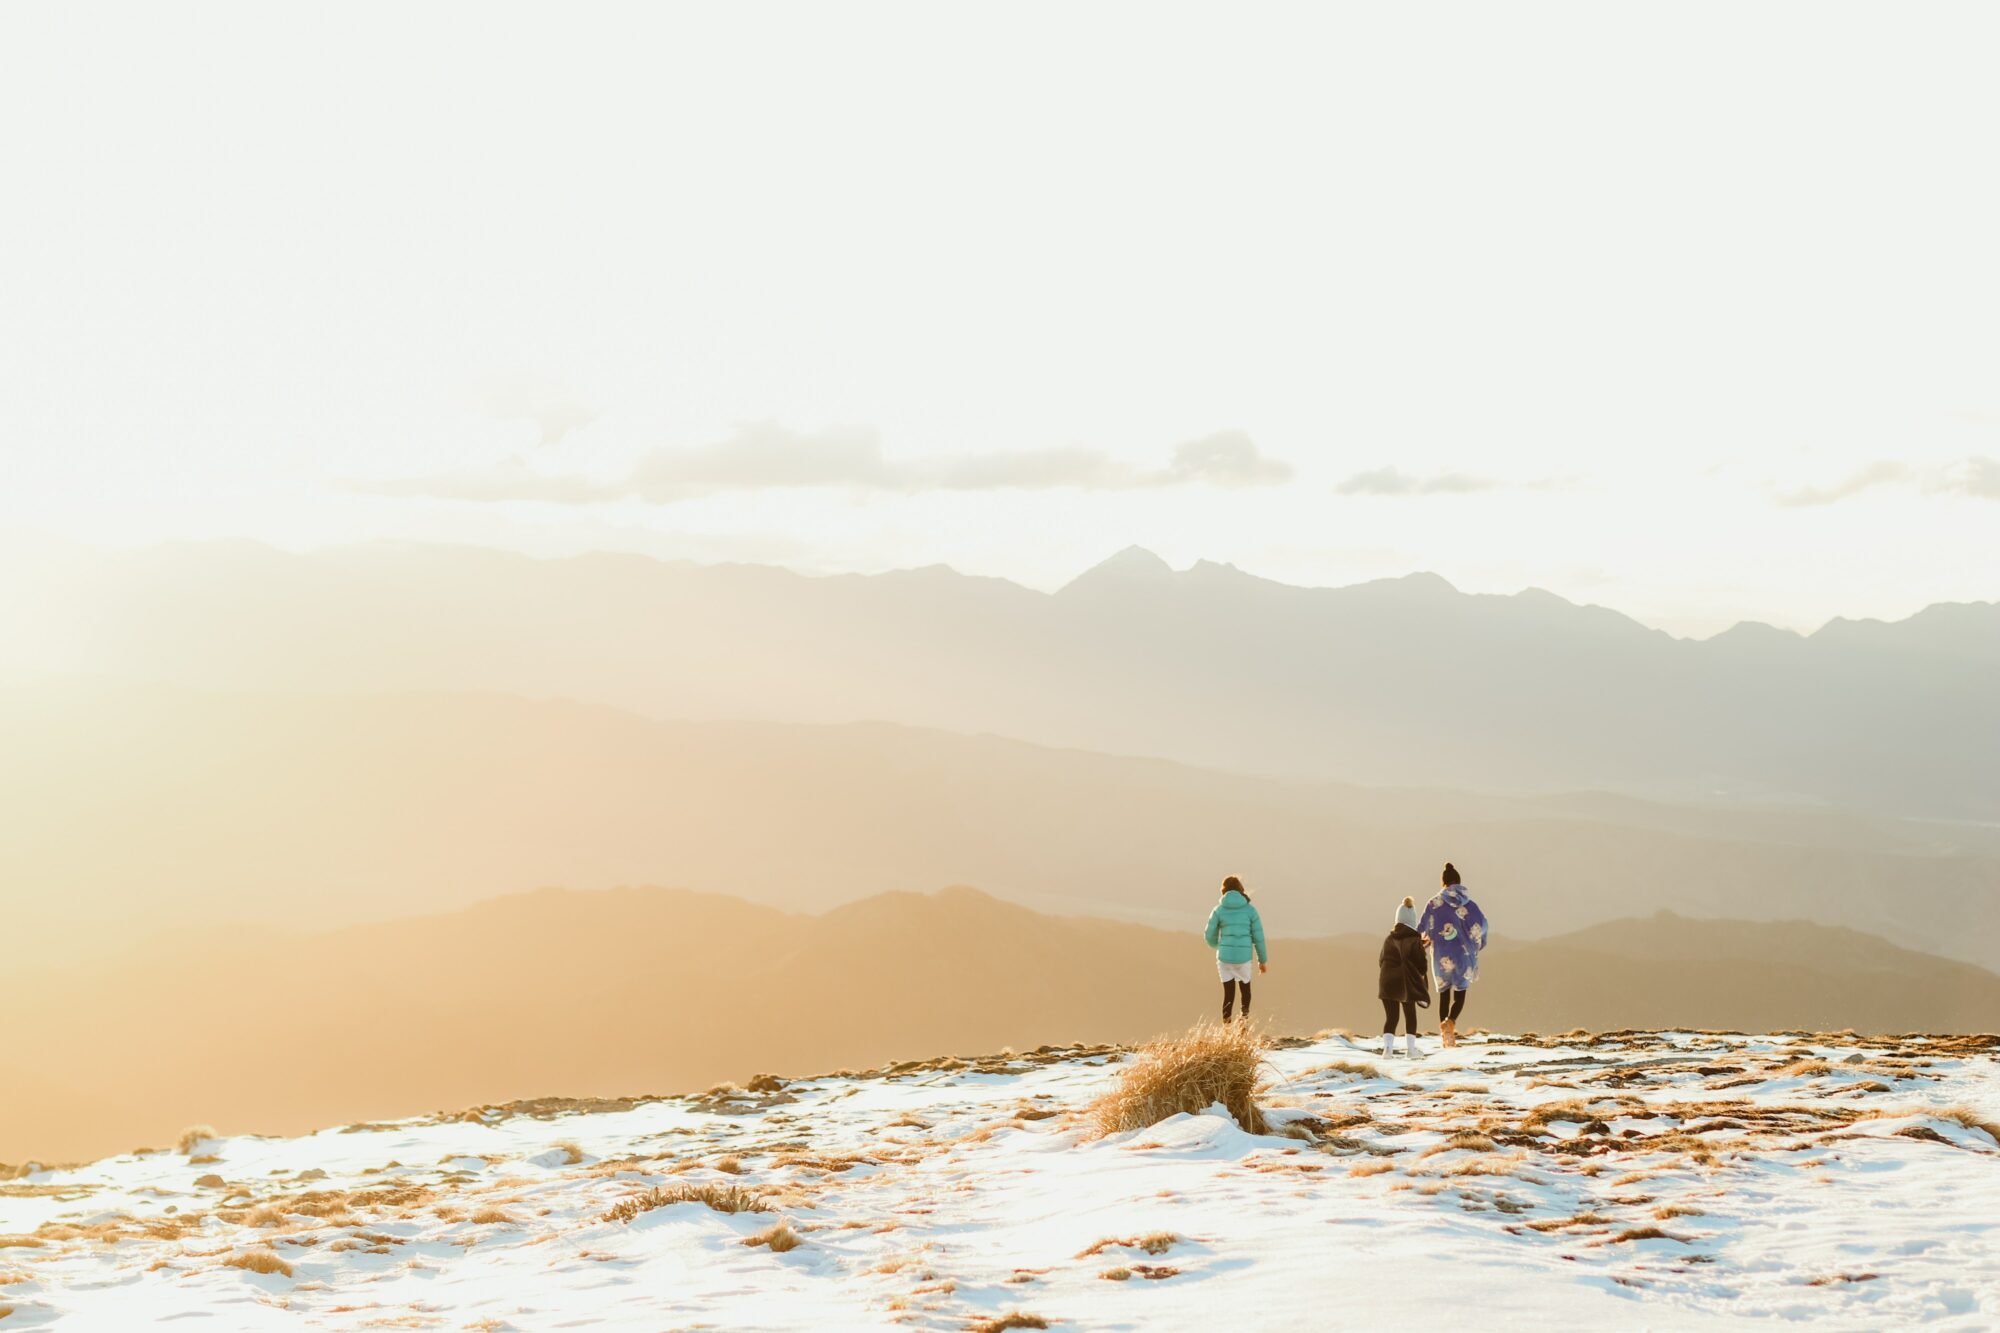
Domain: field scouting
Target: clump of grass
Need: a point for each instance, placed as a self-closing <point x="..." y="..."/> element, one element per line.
<point x="1566" y="1223"/>
<point x="1354" y="1067"/>
<point x="1971" y="1119"/>
<point x="1187" y="1073"/>
<point x="258" y="1261"/>
<point x="1116" y="1274"/>
<point x="1006" y="1321"/>
<point x="730" y="1166"/>
<point x="781" y="1238"/>
<point x="722" y="1198"/>
<point x="492" y="1217"/>
<point x="1464" y="1140"/>
<point x="1643" y="1233"/>
<point x="1667" y="1210"/>
<point x="1153" y="1242"/>
<point x="193" y="1137"/>
<point x="572" y="1154"/>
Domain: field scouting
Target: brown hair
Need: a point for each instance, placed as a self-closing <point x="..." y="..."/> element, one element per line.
<point x="1231" y="882"/>
<point x="1450" y="874"/>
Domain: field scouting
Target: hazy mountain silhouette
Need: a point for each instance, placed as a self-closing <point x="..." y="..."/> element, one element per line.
<point x="135" y="808"/>
<point x="576" y="994"/>
<point x="1401" y="681"/>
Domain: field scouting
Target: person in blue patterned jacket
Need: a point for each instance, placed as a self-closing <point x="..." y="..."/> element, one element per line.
<point x="1456" y="931"/>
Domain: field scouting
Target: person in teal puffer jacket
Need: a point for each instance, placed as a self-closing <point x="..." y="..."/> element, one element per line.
<point x="1236" y="933"/>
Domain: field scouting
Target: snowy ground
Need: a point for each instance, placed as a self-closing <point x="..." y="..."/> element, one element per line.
<point x="1621" y="1181"/>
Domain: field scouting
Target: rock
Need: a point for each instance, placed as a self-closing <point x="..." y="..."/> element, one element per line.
<point x="210" y="1181"/>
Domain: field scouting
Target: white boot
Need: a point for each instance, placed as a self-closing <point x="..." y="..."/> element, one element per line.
<point x="1409" y="1043"/>
<point x="1388" y="1044"/>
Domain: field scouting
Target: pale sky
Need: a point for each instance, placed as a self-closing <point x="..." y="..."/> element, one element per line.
<point x="1691" y="310"/>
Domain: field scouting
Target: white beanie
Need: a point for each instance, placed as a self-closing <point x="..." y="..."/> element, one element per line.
<point x="1406" y="915"/>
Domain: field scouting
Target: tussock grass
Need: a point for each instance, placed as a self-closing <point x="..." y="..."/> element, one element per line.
<point x="722" y="1198"/>
<point x="1667" y="1210"/>
<point x="1374" y="1168"/>
<point x="1016" y="1319"/>
<point x="492" y="1217"/>
<point x="193" y="1136"/>
<point x="1570" y="1223"/>
<point x="730" y="1166"/>
<point x="258" y="1261"/>
<point x="572" y="1154"/>
<point x="780" y="1238"/>
<point x="1971" y="1119"/>
<point x="1354" y="1067"/>
<point x="1186" y="1073"/>
<point x="1154" y="1242"/>
<point x="1464" y="1140"/>
<point x="1644" y="1233"/>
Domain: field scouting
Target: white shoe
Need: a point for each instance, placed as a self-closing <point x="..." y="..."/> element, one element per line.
<point x="1388" y="1044"/>
<point x="1410" y="1043"/>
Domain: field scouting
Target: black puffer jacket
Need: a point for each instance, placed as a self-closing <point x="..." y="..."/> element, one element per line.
<point x="1405" y="970"/>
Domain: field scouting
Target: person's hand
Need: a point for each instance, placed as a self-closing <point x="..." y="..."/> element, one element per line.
<point x="1262" y="968"/>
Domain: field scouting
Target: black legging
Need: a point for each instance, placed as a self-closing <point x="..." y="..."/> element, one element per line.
<point x="1389" y="1017"/>
<point x="1449" y="1003"/>
<point x="1229" y="998"/>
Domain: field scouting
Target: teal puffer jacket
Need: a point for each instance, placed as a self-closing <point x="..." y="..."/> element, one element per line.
<point x="1235" y="931"/>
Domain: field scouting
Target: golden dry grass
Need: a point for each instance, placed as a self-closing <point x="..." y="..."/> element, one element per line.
<point x="780" y="1238"/>
<point x="258" y="1261"/>
<point x="1971" y="1119"/>
<point x="722" y="1198"/>
<point x="492" y="1217"/>
<point x="1187" y="1073"/>
<point x="1016" y="1319"/>
<point x="1153" y="1242"/>
<point x="1354" y="1067"/>
<point x="572" y="1154"/>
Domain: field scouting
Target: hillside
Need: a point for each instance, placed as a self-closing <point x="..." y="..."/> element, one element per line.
<point x="1620" y="1181"/>
<point x="615" y="993"/>
<point x="1400" y="682"/>
<point x="134" y="809"/>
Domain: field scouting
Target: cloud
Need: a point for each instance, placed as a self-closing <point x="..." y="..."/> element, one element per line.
<point x="1975" y="477"/>
<point x="766" y="455"/>
<point x="1394" y="481"/>
<point x="1227" y="458"/>
<point x="1883" y="473"/>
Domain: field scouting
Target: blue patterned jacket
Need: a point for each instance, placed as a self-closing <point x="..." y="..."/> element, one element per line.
<point x="1456" y="929"/>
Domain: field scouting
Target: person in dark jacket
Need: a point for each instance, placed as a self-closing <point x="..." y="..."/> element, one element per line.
<point x="1405" y="982"/>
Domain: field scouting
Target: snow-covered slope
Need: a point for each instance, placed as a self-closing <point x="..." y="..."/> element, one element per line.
<point x="1618" y="1181"/>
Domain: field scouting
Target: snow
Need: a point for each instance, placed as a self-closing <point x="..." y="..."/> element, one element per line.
<point x="951" y="1192"/>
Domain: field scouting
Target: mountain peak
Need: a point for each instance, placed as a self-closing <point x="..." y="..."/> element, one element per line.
<point x="1134" y="564"/>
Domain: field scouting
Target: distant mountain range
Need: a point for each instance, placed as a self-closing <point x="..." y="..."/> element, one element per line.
<point x="641" y="991"/>
<point x="1399" y="682"/>
<point x="130" y="809"/>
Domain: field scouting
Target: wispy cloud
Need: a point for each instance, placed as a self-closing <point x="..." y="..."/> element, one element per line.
<point x="1394" y="481"/>
<point x="1976" y="477"/>
<point x="766" y="456"/>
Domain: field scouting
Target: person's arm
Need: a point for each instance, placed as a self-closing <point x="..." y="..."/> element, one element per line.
<point x="1214" y="932"/>
<point x="1257" y="936"/>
